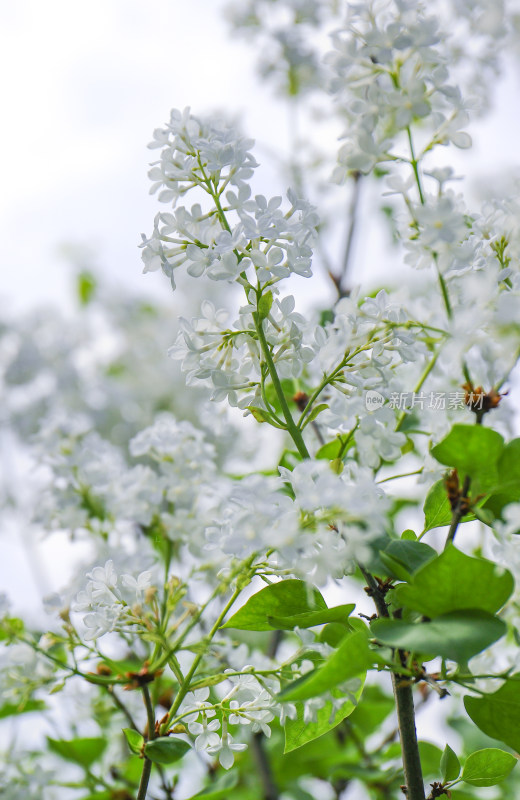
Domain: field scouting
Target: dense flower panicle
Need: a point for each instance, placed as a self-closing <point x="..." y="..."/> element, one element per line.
<point x="184" y="458"/>
<point x="324" y="530"/>
<point x="106" y="371"/>
<point x="228" y="359"/>
<point x="111" y="602"/>
<point x="90" y="479"/>
<point x="256" y="516"/>
<point x="287" y="35"/>
<point x="228" y="233"/>
<point x="387" y="73"/>
<point x="93" y="487"/>
<point x="185" y="142"/>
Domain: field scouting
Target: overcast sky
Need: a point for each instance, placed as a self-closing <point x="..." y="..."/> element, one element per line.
<point x="84" y="85"/>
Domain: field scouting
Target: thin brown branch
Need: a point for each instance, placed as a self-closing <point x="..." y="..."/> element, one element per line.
<point x="121" y="706"/>
<point x="269" y="787"/>
<point x="404" y="705"/>
<point x="461" y="508"/>
<point x="339" y="278"/>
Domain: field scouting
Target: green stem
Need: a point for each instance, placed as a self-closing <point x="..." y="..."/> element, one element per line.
<point x="147" y="766"/>
<point x="145" y="779"/>
<point x="196" y="661"/>
<point x="122" y="707"/>
<point x="444" y="290"/>
<point x="415" y="166"/>
<point x="429" y="366"/>
<point x="337" y="372"/>
<point x="292" y="428"/>
<point x="178" y="642"/>
<point x="402" y="475"/>
<point x="99" y="680"/>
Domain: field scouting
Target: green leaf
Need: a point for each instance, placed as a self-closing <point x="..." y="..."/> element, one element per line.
<point x="488" y="767"/>
<point x="86" y="287"/>
<point x="134" y="739"/>
<point x="285" y="599"/>
<point x="485" y="515"/>
<point x="298" y="732"/>
<point x="509" y="470"/>
<point x="352" y="658"/>
<point x="166" y="749"/>
<point x="333" y="633"/>
<point x="458" y="795"/>
<point x="334" y="449"/>
<point x="450" y="765"/>
<point x="11" y="709"/>
<point x="261" y="415"/>
<point x="498" y="714"/>
<point x="404" y="557"/>
<point x="219" y="789"/>
<point x="507" y="489"/>
<point x="81" y="751"/>
<point x="430" y="756"/>
<point x="11" y="628"/>
<point x="375" y="707"/>
<point x="310" y="618"/>
<point x="131" y="768"/>
<point x="454" y="581"/>
<point x="314" y="413"/>
<point x="458" y="635"/>
<point x="264" y="305"/>
<point x="437" y="509"/>
<point x="473" y="450"/>
<point x="289" y="459"/>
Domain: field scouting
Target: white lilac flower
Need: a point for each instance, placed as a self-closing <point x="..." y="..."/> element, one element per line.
<point x="103" y="578"/>
<point x="221" y="241"/>
<point x="511" y="523"/>
<point x="253" y="712"/>
<point x="226" y="748"/>
<point x="205" y="733"/>
<point x="214" y="353"/>
<point x="106" y="602"/>
<point x="183" y="456"/>
<point x="257" y="516"/>
<point x="311" y="708"/>
<point x="198" y="701"/>
<point x="137" y="585"/>
<point x="100" y="622"/>
<point x="343" y="513"/>
<point x="388" y="71"/>
<point x="376" y="438"/>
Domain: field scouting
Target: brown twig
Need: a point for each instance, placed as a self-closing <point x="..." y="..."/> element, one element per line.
<point x="339" y="279"/>
<point x="460" y="509"/>
<point x="269" y="787"/>
<point x="404" y="705"/>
